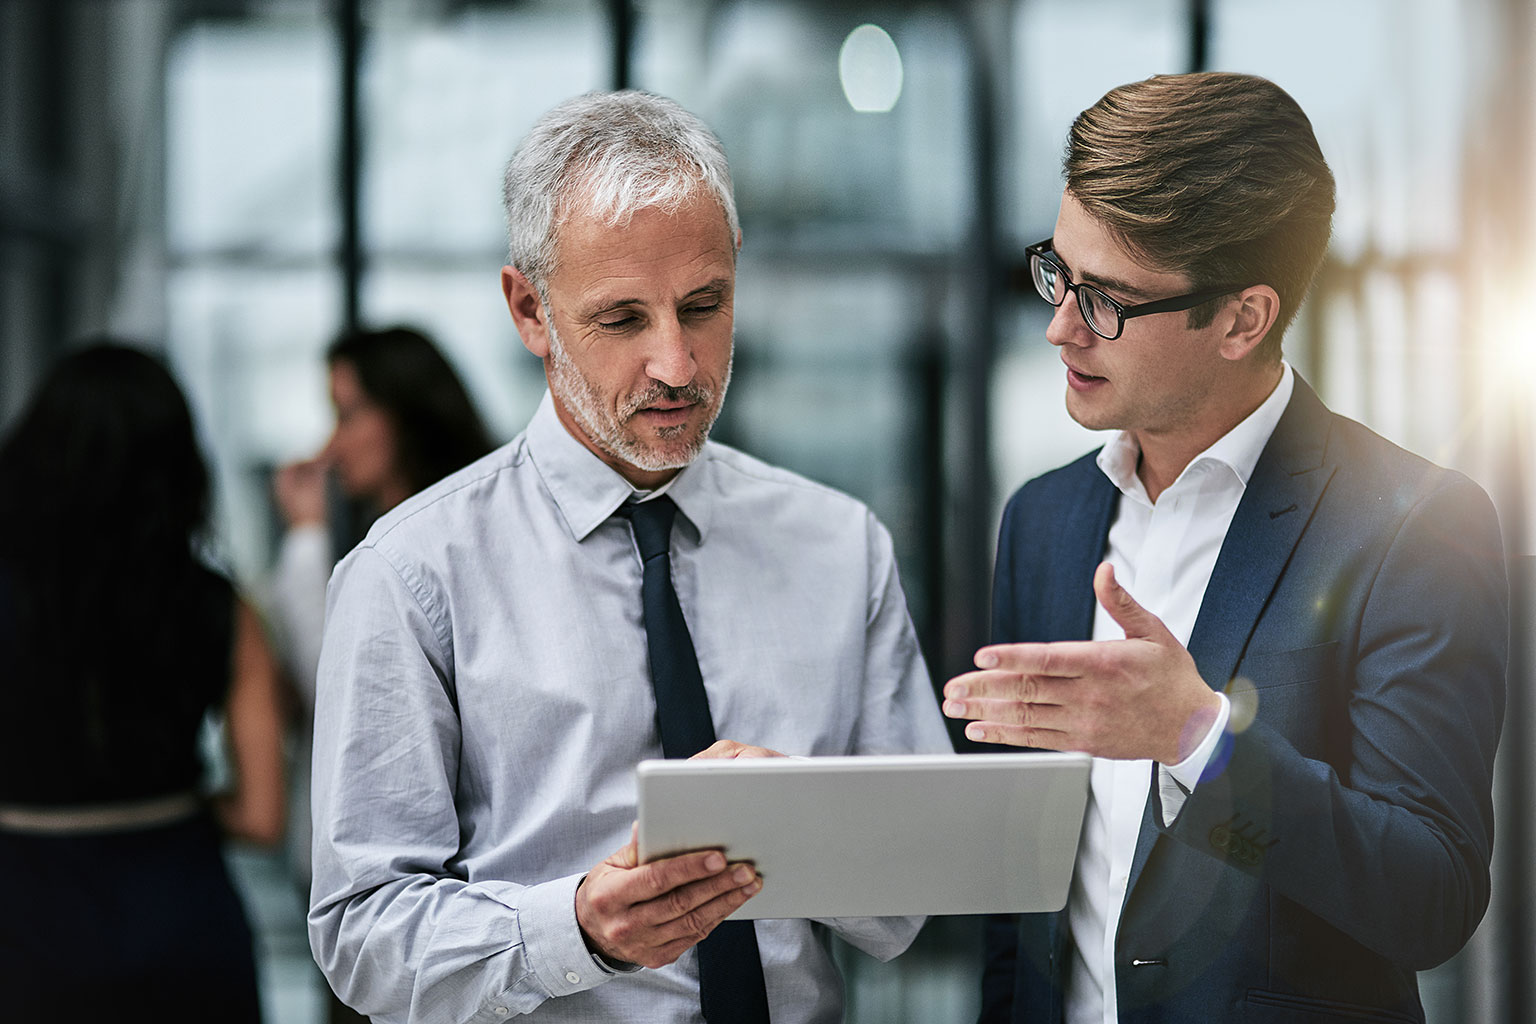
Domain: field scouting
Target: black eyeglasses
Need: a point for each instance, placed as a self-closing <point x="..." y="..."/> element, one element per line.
<point x="1103" y="315"/>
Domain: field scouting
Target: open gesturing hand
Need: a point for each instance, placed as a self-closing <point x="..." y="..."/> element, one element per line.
<point x="1140" y="697"/>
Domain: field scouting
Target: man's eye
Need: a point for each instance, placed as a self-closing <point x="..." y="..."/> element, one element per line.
<point x="703" y="309"/>
<point x="617" y="323"/>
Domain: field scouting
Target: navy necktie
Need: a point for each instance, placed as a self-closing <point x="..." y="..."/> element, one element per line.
<point x="731" y="989"/>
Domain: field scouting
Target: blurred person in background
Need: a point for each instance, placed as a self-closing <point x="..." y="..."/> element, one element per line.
<point x="118" y="640"/>
<point x="403" y="420"/>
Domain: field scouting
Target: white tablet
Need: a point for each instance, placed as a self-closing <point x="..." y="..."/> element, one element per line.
<point x="877" y="836"/>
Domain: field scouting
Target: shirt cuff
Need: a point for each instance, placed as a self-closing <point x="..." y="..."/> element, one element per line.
<point x="552" y="939"/>
<point x="1176" y="782"/>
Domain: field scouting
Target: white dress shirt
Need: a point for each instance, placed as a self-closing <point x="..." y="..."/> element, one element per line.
<point x="484" y="697"/>
<point x="1163" y="555"/>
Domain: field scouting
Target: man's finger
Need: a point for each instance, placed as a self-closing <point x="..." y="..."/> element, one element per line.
<point x="1000" y="684"/>
<point x="731" y="748"/>
<point x="1066" y="659"/>
<point x="676" y="913"/>
<point x="704" y="920"/>
<point x="1010" y="712"/>
<point x="993" y="683"/>
<point x="1138" y="623"/>
<point x="628" y="855"/>
<point x="1018" y="736"/>
<point x="719" y="748"/>
<point x="648" y="881"/>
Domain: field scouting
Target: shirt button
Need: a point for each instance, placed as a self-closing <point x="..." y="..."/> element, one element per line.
<point x="502" y="1011"/>
<point x="573" y="977"/>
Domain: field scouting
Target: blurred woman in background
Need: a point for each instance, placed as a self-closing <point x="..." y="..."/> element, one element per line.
<point x="117" y="641"/>
<point x="403" y="421"/>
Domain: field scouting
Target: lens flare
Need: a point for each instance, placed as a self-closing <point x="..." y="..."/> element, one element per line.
<point x="1244" y="698"/>
<point x="869" y="66"/>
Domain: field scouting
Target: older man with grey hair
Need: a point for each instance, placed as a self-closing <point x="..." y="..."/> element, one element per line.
<point x="610" y="586"/>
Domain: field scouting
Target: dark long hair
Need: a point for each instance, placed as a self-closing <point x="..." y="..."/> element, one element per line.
<point x="114" y="637"/>
<point x="437" y="429"/>
<point x="105" y="459"/>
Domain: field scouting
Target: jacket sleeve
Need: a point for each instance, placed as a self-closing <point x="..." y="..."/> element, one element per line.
<point x="1389" y="842"/>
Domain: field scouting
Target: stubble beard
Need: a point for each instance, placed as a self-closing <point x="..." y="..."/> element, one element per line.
<point x="612" y="434"/>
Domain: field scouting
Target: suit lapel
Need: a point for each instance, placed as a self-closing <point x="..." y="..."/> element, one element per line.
<point x="1282" y="494"/>
<point x="1287" y="483"/>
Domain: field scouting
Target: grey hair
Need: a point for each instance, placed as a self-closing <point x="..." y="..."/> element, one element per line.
<point x="608" y="155"/>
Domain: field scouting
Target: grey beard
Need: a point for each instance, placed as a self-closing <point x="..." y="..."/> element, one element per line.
<point x="609" y="433"/>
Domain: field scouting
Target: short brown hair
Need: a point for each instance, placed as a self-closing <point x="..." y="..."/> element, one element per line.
<point x="1213" y="175"/>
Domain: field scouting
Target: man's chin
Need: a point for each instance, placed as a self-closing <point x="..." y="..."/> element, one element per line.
<point x="1085" y="415"/>
<point x="671" y="449"/>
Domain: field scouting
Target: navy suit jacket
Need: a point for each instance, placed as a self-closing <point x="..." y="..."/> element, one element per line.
<point x="1340" y="842"/>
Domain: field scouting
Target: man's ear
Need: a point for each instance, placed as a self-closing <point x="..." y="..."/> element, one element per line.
<point x="1253" y="316"/>
<point x="527" y="311"/>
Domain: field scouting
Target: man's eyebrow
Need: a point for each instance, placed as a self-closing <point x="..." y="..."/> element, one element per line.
<point x="719" y="284"/>
<point x="1106" y="283"/>
<point x="1114" y="284"/>
<point x="597" y="306"/>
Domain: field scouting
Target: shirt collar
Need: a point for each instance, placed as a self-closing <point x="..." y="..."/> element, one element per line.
<point x="1238" y="449"/>
<point x="587" y="490"/>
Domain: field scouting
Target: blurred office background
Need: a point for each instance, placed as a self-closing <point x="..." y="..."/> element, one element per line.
<point x="236" y="180"/>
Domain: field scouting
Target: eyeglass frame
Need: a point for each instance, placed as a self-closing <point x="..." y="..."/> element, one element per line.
<point x="1174" y="304"/>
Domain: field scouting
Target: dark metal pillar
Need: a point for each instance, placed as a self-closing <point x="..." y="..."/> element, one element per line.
<point x="966" y="588"/>
<point x="349" y="25"/>
<point x="1199" y="34"/>
<point x="40" y="214"/>
<point x="621" y="19"/>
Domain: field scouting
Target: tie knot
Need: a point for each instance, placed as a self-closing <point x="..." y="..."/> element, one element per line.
<point x="652" y="523"/>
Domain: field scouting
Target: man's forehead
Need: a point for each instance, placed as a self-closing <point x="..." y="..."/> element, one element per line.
<point x="698" y="214"/>
<point x="654" y="257"/>
<point x="1097" y="253"/>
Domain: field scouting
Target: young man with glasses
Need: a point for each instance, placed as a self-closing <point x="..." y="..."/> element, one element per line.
<point x="1294" y="718"/>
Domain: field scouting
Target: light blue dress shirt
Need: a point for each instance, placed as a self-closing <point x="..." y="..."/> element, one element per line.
<point x="484" y="697"/>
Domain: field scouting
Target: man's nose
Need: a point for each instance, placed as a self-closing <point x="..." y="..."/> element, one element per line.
<point x="1067" y="326"/>
<point x="670" y="359"/>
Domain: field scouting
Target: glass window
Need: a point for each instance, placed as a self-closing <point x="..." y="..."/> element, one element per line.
<point x="447" y="99"/>
<point x="252" y="293"/>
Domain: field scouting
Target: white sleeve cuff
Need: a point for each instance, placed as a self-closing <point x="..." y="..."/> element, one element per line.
<point x="1176" y="782"/>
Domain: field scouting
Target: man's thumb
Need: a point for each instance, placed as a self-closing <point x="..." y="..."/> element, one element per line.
<point x="1138" y="623"/>
<point x="628" y="856"/>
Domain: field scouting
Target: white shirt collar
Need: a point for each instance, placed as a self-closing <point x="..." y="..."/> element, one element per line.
<point x="587" y="490"/>
<point x="1238" y="449"/>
